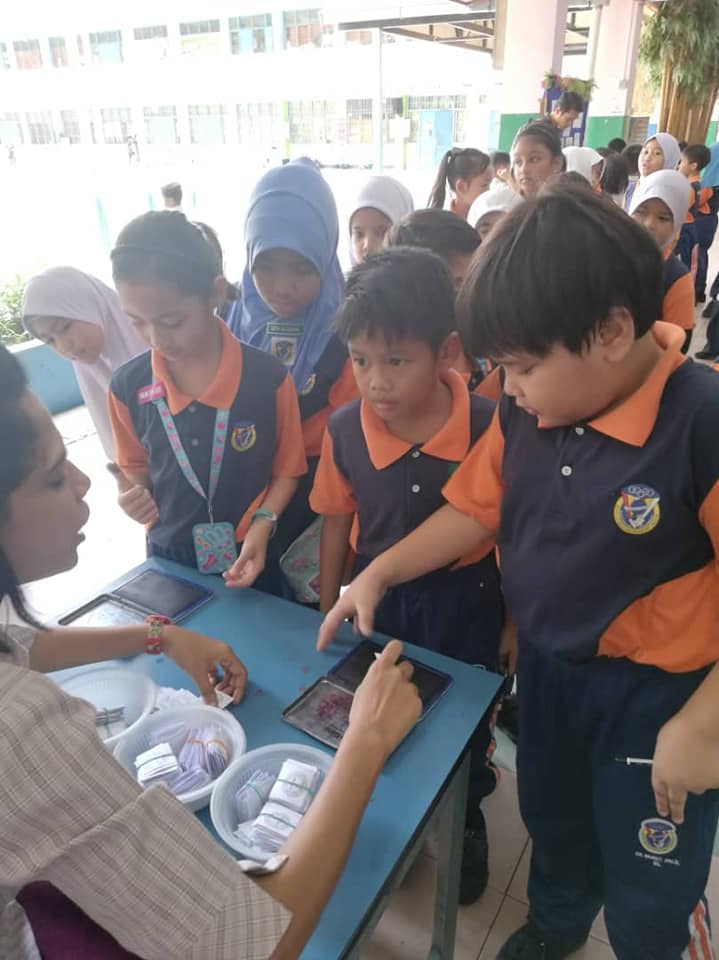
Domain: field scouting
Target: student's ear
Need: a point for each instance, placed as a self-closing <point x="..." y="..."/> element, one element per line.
<point x="460" y="186"/>
<point x="557" y="164"/>
<point x="450" y="350"/>
<point x="219" y="292"/>
<point x="617" y="334"/>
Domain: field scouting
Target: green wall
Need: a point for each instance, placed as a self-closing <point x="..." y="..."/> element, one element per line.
<point x="712" y="133"/>
<point x="600" y="130"/>
<point x="509" y="124"/>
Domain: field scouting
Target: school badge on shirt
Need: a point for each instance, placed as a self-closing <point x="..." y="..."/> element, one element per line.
<point x="658" y="839"/>
<point x="284" y="341"/>
<point x="308" y="386"/>
<point x="636" y="510"/>
<point x="243" y="436"/>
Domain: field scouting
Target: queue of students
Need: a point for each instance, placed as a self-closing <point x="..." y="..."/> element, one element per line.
<point x="549" y="413"/>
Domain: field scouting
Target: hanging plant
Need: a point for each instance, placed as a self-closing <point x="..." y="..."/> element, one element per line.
<point x="683" y="33"/>
<point x="553" y="81"/>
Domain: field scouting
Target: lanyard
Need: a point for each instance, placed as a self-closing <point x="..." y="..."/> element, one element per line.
<point x="183" y="461"/>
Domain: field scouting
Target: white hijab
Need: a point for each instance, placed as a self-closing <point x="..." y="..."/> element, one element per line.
<point x="74" y="295"/>
<point x="503" y="199"/>
<point x="669" y="186"/>
<point x="581" y="160"/>
<point x="385" y="194"/>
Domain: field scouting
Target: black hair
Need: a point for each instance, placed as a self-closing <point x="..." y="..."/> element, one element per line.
<point x="631" y="155"/>
<point x="682" y="144"/>
<point x="698" y="153"/>
<point x="397" y="293"/>
<point x="437" y="230"/>
<point x="500" y="158"/>
<point x="545" y="132"/>
<point x="607" y="260"/>
<point x="615" y="174"/>
<point x="19" y="446"/>
<point x="457" y="164"/>
<point x="569" y="100"/>
<point x="570" y="178"/>
<point x="616" y="144"/>
<point x="172" y="191"/>
<point x="165" y="247"/>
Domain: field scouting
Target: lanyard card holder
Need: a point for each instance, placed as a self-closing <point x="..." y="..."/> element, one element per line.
<point x="215" y="547"/>
<point x="214" y="543"/>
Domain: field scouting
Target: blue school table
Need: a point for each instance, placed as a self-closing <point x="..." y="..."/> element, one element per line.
<point x="428" y="774"/>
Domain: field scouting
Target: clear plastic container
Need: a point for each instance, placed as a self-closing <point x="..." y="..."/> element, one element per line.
<point x="108" y="687"/>
<point x="270" y="758"/>
<point x="200" y="715"/>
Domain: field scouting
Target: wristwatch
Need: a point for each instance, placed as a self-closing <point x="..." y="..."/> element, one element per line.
<point x="268" y="515"/>
<point x="153" y="642"/>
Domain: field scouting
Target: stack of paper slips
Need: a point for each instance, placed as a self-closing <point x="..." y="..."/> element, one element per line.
<point x="296" y="785"/>
<point x="253" y="794"/>
<point x="158" y="763"/>
<point x="273" y="826"/>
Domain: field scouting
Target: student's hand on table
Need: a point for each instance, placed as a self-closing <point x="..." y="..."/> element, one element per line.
<point x="133" y="498"/>
<point x="359" y="603"/>
<point x="386" y="705"/>
<point x="508" y="648"/>
<point x="252" y="559"/>
<point x="686" y="760"/>
<point x="201" y="657"/>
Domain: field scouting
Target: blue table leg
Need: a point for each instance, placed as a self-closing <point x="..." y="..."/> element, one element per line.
<point x="452" y="816"/>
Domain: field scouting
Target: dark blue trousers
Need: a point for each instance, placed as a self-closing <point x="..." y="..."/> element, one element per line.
<point x="686" y="243"/>
<point x="597" y="838"/>
<point x="706" y="228"/>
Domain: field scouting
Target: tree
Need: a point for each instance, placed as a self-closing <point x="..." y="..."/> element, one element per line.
<point x="679" y="46"/>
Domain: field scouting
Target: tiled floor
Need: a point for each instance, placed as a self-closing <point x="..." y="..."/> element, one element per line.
<point x="114" y="544"/>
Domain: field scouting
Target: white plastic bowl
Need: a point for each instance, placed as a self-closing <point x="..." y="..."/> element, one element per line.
<point x="222" y="805"/>
<point x="113" y="686"/>
<point x="200" y="715"/>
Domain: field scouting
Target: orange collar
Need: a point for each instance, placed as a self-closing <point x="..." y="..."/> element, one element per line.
<point x="221" y="392"/>
<point x="633" y="421"/>
<point x="695" y="178"/>
<point x="451" y="441"/>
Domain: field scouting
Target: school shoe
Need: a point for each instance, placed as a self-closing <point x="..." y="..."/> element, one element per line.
<point x="530" y="943"/>
<point x="474" y="874"/>
<point x="709" y="308"/>
<point x="705" y="355"/>
<point x="700" y="298"/>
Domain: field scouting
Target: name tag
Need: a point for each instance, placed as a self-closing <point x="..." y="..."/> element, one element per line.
<point x="150" y="393"/>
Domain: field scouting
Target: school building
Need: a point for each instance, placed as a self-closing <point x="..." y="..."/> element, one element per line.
<point x="278" y="80"/>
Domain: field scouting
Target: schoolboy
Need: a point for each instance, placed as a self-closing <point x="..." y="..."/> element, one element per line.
<point x="694" y="158"/>
<point x="599" y="476"/>
<point x="385" y="459"/>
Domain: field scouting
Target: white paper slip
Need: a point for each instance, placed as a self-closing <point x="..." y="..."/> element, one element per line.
<point x="296" y="785"/>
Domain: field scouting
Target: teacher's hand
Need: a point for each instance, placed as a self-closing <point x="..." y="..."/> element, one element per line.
<point x="202" y="658"/>
<point x="386" y="705"/>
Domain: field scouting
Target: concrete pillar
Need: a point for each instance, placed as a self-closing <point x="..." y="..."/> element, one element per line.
<point x="616" y="45"/>
<point x="531" y="42"/>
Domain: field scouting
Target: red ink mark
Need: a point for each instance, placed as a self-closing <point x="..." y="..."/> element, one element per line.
<point x="258" y="692"/>
<point x="305" y="669"/>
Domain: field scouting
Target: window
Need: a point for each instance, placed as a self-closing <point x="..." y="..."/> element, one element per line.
<point x="313" y="121"/>
<point x="359" y="121"/>
<point x="106" y="47"/>
<point x="71" y="125"/>
<point x="27" y="54"/>
<point x="260" y="124"/>
<point x="359" y="36"/>
<point x="116" y="124"/>
<point x="39" y="125"/>
<point x="207" y="123"/>
<point x="10" y="128"/>
<point x="150" y="33"/>
<point x="251" y="34"/>
<point x="5" y="63"/>
<point x="458" y="106"/>
<point x="151" y="43"/>
<point x="58" y="52"/>
<point x="161" y="126"/>
<point x="201" y="36"/>
<point x="304" y="28"/>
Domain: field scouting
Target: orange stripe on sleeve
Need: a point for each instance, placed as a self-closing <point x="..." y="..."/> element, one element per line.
<point x="331" y="494"/>
<point x="342" y="391"/>
<point x="289" y="458"/>
<point x="129" y="452"/>
<point x="678" y="304"/>
<point x="476" y="487"/>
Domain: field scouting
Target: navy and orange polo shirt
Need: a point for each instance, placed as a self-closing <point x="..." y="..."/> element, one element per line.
<point x="609" y="530"/>
<point x="678" y="303"/>
<point x="329" y="387"/>
<point x="391" y="485"/>
<point x="702" y="198"/>
<point x="264" y="439"/>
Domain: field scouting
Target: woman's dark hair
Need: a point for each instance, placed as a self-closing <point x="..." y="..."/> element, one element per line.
<point x="437" y="230"/>
<point x="570" y="178"/>
<point x="615" y="174"/>
<point x="397" y="293"/>
<point x="543" y="131"/>
<point x="18" y="443"/>
<point x="165" y="247"/>
<point x="631" y="155"/>
<point x="607" y="261"/>
<point x="457" y="164"/>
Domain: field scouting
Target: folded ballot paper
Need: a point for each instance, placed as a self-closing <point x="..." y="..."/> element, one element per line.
<point x="269" y="808"/>
<point x="202" y="757"/>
